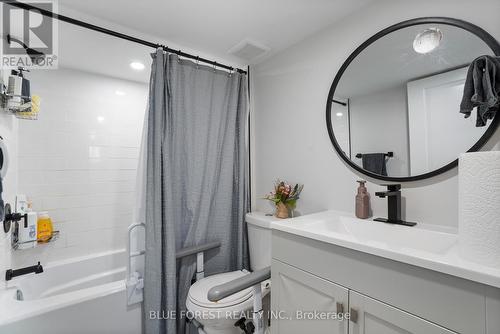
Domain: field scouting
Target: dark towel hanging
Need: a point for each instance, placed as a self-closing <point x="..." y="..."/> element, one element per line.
<point x="375" y="163"/>
<point x="482" y="89"/>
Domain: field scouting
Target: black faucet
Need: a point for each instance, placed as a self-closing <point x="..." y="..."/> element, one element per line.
<point x="10" y="274"/>
<point x="393" y="195"/>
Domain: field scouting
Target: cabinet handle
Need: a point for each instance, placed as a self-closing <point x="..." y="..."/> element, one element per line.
<point x="340" y="310"/>
<point x="354" y="315"/>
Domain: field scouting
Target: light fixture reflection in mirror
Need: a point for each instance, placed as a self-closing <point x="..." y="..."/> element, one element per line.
<point x="427" y="40"/>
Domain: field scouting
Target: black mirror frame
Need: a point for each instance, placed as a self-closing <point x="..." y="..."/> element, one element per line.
<point x="479" y="32"/>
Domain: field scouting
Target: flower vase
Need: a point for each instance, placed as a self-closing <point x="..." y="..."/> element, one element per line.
<point x="281" y="210"/>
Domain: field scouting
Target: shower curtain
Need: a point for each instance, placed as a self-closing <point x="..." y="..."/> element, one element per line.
<point x="196" y="181"/>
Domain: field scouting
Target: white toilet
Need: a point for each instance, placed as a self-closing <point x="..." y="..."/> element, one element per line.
<point x="219" y="317"/>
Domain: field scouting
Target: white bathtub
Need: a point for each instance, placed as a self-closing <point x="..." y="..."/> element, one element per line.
<point x="80" y="296"/>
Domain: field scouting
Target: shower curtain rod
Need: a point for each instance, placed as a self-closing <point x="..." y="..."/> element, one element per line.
<point x="113" y="33"/>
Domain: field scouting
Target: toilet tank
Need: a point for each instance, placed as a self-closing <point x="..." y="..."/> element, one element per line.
<point x="259" y="239"/>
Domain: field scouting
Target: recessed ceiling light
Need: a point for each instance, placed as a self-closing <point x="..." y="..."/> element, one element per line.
<point x="339" y="114"/>
<point x="119" y="92"/>
<point x="100" y="119"/>
<point x="427" y="40"/>
<point x="136" y="65"/>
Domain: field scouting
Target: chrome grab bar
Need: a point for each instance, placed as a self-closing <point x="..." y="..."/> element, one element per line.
<point x="130" y="253"/>
<point x="134" y="283"/>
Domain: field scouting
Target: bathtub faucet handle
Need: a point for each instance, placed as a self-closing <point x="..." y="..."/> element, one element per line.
<point x="39" y="268"/>
<point x="10" y="274"/>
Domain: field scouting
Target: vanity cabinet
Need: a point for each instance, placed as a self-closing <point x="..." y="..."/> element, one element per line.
<point x="297" y="295"/>
<point x="388" y="296"/>
<point x="374" y="317"/>
<point x="305" y="303"/>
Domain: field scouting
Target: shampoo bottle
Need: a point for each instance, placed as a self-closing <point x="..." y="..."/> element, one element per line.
<point x="362" y="201"/>
<point x="27" y="226"/>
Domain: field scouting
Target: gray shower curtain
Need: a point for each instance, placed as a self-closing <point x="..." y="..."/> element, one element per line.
<point x="196" y="181"/>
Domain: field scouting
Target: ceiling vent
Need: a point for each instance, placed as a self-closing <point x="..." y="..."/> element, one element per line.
<point x="249" y="50"/>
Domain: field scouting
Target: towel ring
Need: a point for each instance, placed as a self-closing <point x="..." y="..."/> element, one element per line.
<point x="4" y="158"/>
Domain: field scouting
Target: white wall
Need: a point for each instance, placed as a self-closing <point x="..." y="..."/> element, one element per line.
<point x="379" y="124"/>
<point x="78" y="161"/>
<point x="290" y="93"/>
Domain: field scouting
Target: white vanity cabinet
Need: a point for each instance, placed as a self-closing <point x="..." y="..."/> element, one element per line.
<point x="374" y="317"/>
<point x="297" y="295"/>
<point x="305" y="303"/>
<point x="383" y="296"/>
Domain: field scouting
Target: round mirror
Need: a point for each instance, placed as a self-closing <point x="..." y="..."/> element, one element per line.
<point x="393" y="112"/>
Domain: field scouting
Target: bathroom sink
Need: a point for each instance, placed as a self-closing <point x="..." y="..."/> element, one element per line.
<point x="420" y="245"/>
<point x="395" y="237"/>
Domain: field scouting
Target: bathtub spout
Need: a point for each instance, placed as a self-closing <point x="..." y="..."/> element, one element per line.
<point x="10" y="274"/>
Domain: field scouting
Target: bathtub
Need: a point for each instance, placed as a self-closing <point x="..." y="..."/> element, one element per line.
<point x="84" y="295"/>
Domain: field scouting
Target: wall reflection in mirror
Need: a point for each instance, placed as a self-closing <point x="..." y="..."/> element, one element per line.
<point x="396" y="108"/>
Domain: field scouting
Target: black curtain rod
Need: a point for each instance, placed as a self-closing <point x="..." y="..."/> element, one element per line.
<point x="113" y="33"/>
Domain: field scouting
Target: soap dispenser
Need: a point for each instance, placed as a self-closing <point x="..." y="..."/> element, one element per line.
<point x="362" y="201"/>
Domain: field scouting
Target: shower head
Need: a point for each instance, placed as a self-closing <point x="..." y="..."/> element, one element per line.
<point x="32" y="53"/>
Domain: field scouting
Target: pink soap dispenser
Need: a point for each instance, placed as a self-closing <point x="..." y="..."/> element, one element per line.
<point x="362" y="201"/>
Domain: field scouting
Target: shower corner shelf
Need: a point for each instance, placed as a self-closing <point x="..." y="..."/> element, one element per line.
<point x="53" y="238"/>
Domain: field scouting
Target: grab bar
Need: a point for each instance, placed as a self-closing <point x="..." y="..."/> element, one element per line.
<point x="253" y="280"/>
<point x="199" y="251"/>
<point x="135" y="282"/>
<point x="130" y="253"/>
<point x="227" y="289"/>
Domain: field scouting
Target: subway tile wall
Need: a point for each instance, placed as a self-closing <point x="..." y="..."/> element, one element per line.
<point x="78" y="161"/>
<point x="8" y="131"/>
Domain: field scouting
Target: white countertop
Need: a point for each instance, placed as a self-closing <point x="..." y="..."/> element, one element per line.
<point x="434" y="250"/>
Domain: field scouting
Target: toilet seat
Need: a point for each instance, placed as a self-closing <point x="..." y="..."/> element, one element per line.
<point x="198" y="292"/>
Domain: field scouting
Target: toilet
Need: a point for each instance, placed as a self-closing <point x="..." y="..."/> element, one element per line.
<point x="220" y="317"/>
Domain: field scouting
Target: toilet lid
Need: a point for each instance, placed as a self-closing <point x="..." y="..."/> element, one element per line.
<point x="199" y="291"/>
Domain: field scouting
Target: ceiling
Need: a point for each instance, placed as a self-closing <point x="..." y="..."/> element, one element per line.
<point x="208" y="28"/>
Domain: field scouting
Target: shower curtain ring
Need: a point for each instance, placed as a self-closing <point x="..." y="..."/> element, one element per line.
<point x="215" y="66"/>
<point x="197" y="61"/>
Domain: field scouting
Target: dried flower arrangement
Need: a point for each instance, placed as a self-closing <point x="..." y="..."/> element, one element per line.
<point x="285" y="197"/>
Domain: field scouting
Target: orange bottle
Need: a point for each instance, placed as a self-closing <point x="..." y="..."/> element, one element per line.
<point x="44" y="227"/>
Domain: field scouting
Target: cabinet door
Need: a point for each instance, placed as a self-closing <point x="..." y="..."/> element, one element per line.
<point x="369" y="316"/>
<point x="304" y="303"/>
